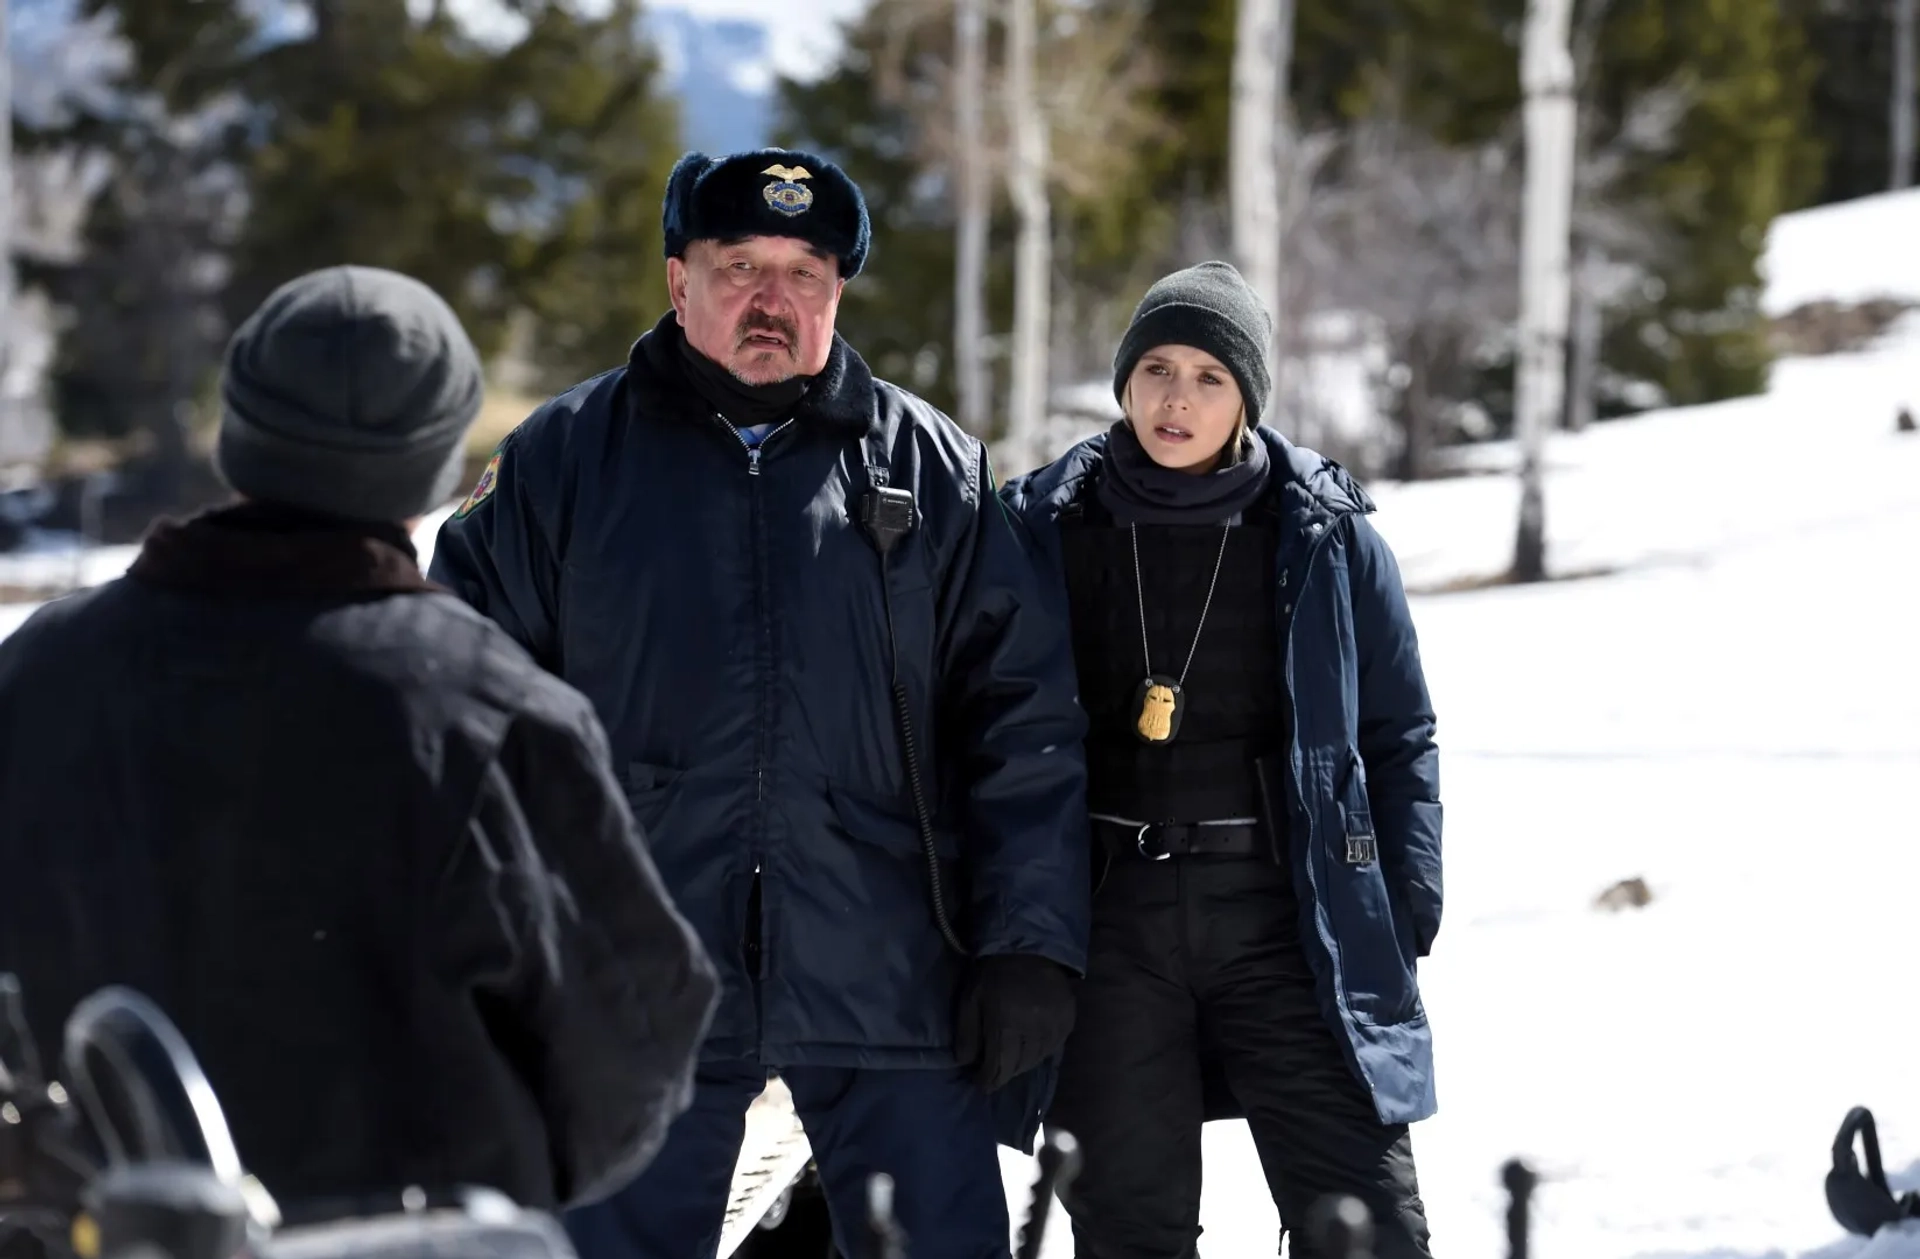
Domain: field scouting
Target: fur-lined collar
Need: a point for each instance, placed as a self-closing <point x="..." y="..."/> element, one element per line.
<point x="264" y="550"/>
<point x="841" y="397"/>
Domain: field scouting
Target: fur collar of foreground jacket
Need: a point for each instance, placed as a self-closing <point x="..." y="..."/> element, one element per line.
<point x="263" y="550"/>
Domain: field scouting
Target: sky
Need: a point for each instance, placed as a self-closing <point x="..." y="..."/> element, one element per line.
<point x="801" y="33"/>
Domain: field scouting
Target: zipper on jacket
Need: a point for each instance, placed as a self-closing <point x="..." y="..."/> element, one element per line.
<point x="1314" y="881"/>
<point x="756" y="947"/>
<point x="753" y="451"/>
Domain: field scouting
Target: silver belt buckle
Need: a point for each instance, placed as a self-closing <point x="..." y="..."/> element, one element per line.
<point x="1140" y="844"/>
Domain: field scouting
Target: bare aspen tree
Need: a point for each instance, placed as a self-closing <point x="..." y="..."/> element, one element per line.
<point x="1253" y="153"/>
<point x="6" y="221"/>
<point x="973" y="176"/>
<point x="1904" y="56"/>
<point x="1546" y="74"/>
<point x="1033" y="254"/>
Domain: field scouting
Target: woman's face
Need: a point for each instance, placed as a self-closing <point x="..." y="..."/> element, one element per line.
<point x="1184" y="407"/>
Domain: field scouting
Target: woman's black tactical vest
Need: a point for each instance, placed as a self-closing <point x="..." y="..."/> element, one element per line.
<point x="1233" y="710"/>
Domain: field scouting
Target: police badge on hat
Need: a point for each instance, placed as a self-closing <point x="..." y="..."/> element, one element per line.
<point x="787" y="195"/>
<point x="766" y="192"/>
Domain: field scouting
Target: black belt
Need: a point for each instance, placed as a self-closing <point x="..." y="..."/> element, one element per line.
<point x="1158" y="841"/>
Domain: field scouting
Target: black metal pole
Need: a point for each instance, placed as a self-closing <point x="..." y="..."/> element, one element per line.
<point x="1059" y="1160"/>
<point x="19" y="1058"/>
<point x="1520" y="1181"/>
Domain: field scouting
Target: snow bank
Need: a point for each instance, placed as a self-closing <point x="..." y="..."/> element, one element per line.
<point x="1676" y="489"/>
<point x="55" y="560"/>
<point x="1848" y="252"/>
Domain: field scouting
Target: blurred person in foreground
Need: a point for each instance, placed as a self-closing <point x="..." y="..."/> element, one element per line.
<point x="369" y="857"/>
<point x="683" y="539"/>
<point x="1264" y="788"/>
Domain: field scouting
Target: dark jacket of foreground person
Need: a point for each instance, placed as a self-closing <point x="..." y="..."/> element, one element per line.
<point x="369" y="857"/>
<point x="360" y="848"/>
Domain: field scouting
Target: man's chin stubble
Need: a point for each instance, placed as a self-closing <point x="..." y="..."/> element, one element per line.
<point x="764" y="368"/>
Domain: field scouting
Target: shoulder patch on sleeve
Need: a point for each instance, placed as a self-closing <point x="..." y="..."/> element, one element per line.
<point x="483" y="488"/>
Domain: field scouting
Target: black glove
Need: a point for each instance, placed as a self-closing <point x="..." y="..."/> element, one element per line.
<point x="1015" y="1012"/>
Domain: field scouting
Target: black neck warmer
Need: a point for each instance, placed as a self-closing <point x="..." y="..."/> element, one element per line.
<point x="1139" y="491"/>
<point x="744" y="405"/>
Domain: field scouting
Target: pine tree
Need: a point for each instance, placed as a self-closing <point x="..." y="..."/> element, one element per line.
<point x="1744" y="155"/>
<point x="528" y="178"/>
<point x="1853" y="42"/>
<point x="1744" y="152"/>
<point x="898" y="313"/>
<point x="516" y="181"/>
<point x="144" y="329"/>
<point x="884" y="113"/>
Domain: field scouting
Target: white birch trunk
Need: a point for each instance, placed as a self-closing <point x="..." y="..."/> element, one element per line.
<point x="1904" y="57"/>
<point x="1287" y="197"/>
<point x="1253" y="150"/>
<point x="1033" y="261"/>
<point x="974" y="177"/>
<point x="7" y="338"/>
<point x="1588" y="328"/>
<point x="1546" y="74"/>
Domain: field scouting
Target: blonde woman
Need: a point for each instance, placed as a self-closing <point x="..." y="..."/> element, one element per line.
<point x="1265" y="796"/>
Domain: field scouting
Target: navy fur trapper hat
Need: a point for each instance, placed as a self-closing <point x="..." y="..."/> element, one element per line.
<point x="768" y="192"/>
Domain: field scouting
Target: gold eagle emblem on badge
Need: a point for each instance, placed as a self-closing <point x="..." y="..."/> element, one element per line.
<point x="1155" y="724"/>
<point x="788" y="196"/>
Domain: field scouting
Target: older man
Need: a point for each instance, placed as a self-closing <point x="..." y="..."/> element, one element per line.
<point x="844" y="705"/>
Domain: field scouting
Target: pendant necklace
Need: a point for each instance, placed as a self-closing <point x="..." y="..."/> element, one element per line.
<point x="1161" y="701"/>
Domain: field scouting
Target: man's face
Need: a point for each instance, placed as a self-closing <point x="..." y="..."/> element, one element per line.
<point x="761" y="307"/>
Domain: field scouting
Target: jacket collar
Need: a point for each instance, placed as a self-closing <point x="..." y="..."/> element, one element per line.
<point x="265" y="550"/>
<point x="842" y="398"/>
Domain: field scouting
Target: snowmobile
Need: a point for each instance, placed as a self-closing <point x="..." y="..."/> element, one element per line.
<point x="128" y="1156"/>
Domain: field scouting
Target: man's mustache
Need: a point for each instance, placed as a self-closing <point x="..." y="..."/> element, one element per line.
<point x="759" y="322"/>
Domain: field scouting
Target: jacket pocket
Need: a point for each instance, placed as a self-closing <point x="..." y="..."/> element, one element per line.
<point x="886" y="844"/>
<point x="888" y="825"/>
<point x="650" y="790"/>
<point x="1371" y="929"/>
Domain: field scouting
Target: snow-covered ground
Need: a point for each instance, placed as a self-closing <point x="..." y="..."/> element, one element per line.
<point x="1728" y="712"/>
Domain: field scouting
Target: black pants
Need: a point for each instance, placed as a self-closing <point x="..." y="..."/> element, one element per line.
<point x="1197" y="959"/>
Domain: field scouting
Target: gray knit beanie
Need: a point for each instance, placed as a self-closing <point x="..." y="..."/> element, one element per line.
<point x="1208" y="307"/>
<point x="349" y="391"/>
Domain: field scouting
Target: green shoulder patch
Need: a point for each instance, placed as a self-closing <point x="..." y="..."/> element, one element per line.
<point x="483" y="488"/>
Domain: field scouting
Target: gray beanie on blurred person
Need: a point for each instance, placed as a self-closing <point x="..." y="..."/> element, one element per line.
<point x="349" y="392"/>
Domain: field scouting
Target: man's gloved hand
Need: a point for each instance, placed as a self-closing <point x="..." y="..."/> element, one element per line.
<point x="1015" y="1012"/>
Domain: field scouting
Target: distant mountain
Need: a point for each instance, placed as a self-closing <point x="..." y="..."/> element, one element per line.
<point x="721" y="70"/>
